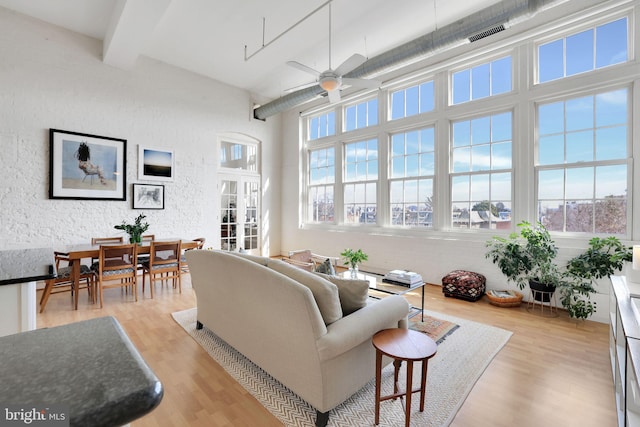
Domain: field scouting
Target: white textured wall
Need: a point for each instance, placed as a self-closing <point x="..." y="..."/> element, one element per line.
<point x="54" y="78"/>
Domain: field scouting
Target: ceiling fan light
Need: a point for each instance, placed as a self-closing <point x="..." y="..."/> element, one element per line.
<point x="329" y="83"/>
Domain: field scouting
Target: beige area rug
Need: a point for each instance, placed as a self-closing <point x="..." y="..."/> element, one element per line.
<point x="460" y="361"/>
<point x="436" y="329"/>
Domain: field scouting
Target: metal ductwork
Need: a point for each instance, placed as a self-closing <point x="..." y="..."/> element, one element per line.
<point x="471" y="28"/>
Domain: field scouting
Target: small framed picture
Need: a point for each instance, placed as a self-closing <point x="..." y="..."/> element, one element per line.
<point x="148" y="196"/>
<point x="84" y="166"/>
<point x="155" y="164"/>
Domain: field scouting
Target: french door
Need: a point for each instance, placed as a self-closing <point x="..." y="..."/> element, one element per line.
<point x="240" y="222"/>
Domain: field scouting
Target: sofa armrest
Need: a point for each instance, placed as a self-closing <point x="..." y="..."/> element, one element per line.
<point x="360" y="326"/>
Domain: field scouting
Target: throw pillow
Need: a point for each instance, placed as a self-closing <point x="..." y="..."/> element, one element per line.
<point x="325" y="293"/>
<point x="326" y="268"/>
<point x="353" y="293"/>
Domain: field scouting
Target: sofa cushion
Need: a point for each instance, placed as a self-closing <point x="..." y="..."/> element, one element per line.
<point x="326" y="268"/>
<point x="353" y="293"/>
<point x="324" y="292"/>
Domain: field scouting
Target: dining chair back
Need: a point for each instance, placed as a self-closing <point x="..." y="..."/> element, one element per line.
<point x="63" y="282"/>
<point x="117" y="267"/>
<point x="164" y="261"/>
<point x="183" y="259"/>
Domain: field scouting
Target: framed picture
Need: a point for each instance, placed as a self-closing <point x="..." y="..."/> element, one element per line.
<point x="148" y="196"/>
<point x="84" y="166"/>
<point x="155" y="164"/>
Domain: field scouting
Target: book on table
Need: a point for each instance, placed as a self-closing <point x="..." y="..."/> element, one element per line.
<point x="402" y="277"/>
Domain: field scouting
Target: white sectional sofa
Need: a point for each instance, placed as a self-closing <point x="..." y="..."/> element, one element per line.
<point x="291" y="323"/>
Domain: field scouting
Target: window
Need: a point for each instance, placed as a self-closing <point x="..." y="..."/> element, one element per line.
<point x="481" y="81"/>
<point x="412" y="100"/>
<point x="560" y="153"/>
<point x="481" y="152"/>
<point x="582" y="163"/>
<point x="360" y="182"/>
<point x="585" y="51"/>
<point x="322" y="125"/>
<point x="361" y="115"/>
<point x="321" y="185"/>
<point x="411" y="182"/>
<point x="238" y="155"/>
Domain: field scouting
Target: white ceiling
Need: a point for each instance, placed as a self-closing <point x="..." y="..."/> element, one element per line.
<point x="209" y="37"/>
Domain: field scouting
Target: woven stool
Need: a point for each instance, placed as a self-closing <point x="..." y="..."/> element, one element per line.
<point x="465" y="285"/>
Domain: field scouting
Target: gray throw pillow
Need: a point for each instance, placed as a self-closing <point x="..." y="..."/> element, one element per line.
<point x="324" y="292"/>
<point x="353" y="293"/>
<point x="326" y="268"/>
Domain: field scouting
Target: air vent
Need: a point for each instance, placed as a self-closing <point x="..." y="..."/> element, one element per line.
<point x="486" y="33"/>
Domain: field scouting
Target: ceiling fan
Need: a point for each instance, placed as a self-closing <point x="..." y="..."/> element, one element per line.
<point x="332" y="80"/>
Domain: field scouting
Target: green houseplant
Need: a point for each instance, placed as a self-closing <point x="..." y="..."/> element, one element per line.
<point x="529" y="257"/>
<point x="134" y="230"/>
<point x="353" y="258"/>
<point x="602" y="258"/>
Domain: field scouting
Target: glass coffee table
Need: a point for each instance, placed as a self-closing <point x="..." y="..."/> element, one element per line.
<point x="377" y="288"/>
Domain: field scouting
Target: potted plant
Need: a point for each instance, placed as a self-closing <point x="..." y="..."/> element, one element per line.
<point x="528" y="257"/>
<point x="134" y="230"/>
<point x="602" y="258"/>
<point x="353" y="258"/>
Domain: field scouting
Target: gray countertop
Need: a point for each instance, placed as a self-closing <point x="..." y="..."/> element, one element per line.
<point x="90" y="367"/>
<point x="26" y="265"/>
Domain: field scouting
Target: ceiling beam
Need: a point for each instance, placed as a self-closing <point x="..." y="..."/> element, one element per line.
<point x="132" y="24"/>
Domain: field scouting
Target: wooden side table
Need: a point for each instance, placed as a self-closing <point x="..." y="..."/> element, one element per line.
<point x="410" y="346"/>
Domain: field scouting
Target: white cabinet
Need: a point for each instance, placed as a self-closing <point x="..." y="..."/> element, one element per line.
<point x="624" y="349"/>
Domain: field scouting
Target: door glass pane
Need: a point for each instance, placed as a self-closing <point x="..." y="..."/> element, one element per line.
<point x="229" y="215"/>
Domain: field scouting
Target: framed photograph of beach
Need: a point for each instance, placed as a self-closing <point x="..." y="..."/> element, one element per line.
<point x="148" y="196"/>
<point x="155" y="164"/>
<point x="85" y="166"/>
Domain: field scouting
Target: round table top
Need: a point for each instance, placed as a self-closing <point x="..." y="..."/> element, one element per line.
<point x="404" y="344"/>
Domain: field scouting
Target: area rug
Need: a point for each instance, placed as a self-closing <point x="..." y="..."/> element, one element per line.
<point x="437" y="329"/>
<point x="460" y="361"/>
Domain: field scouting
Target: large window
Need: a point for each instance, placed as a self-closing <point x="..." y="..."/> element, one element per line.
<point x="481" y="151"/>
<point x="361" y="115"/>
<point x="585" y="51"/>
<point x="411" y="182"/>
<point x="322" y="125"/>
<point x="481" y="81"/>
<point x="438" y="152"/>
<point x="412" y="100"/>
<point x="360" y="177"/>
<point x="321" y="180"/>
<point x="582" y="163"/>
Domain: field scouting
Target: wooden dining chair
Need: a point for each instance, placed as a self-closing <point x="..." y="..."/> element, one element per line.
<point x="117" y="268"/>
<point x="164" y="261"/>
<point x="145" y="257"/>
<point x="183" y="258"/>
<point x="63" y="282"/>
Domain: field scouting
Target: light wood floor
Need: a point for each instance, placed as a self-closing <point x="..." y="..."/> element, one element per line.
<point x="552" y="372"/>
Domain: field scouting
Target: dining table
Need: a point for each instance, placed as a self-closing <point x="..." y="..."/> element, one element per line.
<point x="77" y="252"/>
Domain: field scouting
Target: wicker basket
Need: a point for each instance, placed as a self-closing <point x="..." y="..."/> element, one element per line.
<point x="513" y="301"/>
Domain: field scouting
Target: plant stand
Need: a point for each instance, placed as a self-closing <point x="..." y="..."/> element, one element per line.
<point x="547" y="309"/>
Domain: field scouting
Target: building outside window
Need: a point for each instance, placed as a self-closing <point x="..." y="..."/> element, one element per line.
<point x="582" y="163"/>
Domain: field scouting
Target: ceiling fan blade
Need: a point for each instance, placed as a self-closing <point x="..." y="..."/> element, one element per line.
<point x="334" y="96"/>
<point x="352" y="62"/>
<point x="299" y="87"/>
<point x="363" y="83"/>
<point x="302" y="67"/>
